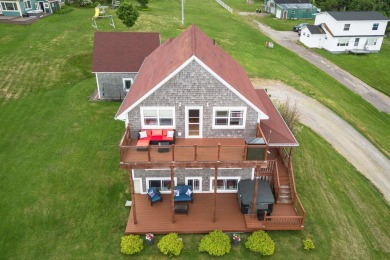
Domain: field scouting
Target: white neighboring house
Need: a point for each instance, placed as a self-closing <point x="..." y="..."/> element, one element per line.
<point x="358" y="32"/>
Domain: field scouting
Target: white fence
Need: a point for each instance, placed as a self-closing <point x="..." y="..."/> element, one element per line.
<point x="225" y="6"/>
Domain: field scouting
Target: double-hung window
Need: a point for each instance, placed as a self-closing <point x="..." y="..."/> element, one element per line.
<point x="127" y="82"/>
<point x="225" y="183"/>
<point x="347" y="26"/>
<point x="375" y="26"/>
<point x="163" y="183"/>
<point x="158" y="117"/>
<point x="195" y="182"/>
<point x="229" y="117"/>
<point x="27" y="4"/>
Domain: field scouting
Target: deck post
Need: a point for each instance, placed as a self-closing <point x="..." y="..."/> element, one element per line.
<point x="172" y="194"/>
<point x="132" y="194"/>
<point x="219" y="152"/>
<point x="253" y="213"/>
<point x="149" y="153"/>
<point x="245" y="151"/>
<point x="215" y="193"/>
<point x="173" y="152"/>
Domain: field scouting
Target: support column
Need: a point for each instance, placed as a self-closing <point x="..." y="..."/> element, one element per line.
<point x="254" y="200"/>
<point x="133" y="205"/>
<point x="215" y="193"/>
<point x="172" y="194"/>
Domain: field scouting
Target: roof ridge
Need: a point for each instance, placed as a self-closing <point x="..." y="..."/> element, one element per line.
<point x="193" y="39"/>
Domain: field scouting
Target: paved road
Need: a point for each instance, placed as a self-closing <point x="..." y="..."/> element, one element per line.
<point x="288" y="40"/>
<point x="365" y="157"/>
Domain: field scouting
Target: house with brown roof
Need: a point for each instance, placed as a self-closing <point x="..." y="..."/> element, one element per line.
<point x="117" y="58"/>
<point x="201" y="140"/>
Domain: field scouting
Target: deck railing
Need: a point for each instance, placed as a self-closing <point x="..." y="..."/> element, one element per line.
<point x="283" y="221"/>
<point x="190" y="153"/>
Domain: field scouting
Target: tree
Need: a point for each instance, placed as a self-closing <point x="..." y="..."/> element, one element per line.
<point x="127" y="13"/>
<point x="143" y="3"/>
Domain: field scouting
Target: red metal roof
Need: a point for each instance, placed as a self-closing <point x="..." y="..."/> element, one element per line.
<point x="174" y="53"/>
<point x="281" y="134"/>
<point x="122" y="51"/>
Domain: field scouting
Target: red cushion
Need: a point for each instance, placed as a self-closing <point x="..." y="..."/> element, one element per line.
<point x="157" y="132"/>
<point x="164" y="132"/>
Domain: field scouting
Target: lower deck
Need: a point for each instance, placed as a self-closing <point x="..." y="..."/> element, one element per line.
<point x="160" y="219"/>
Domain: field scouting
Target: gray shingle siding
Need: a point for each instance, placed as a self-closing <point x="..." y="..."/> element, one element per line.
<point x="181" y="174"/>
<point x="111" y="84"/>
<point x="194" y="86"/>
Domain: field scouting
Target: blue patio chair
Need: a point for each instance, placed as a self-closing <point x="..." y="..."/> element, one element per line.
<point x="154" y="195"/>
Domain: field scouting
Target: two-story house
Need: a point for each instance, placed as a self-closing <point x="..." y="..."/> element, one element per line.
<point x="357" y="31"/>
<point x="35" y="8"/>
<point x="193" y="119"/>
<point x="117" y="58"/>
<point x="290" y="9"/>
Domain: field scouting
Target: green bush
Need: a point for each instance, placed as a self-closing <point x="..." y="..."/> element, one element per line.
<point x="308" y="244"/>
<point x="64" y="10"/>
<point x="131" y="244"/>
<point x="261" y="242"/>
<point x="170" y="245"/>
<point x="216" y="243"/>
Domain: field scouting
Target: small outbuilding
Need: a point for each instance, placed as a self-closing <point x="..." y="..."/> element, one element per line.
<point x="290" y="9"/>
<point x="117" y="58"/>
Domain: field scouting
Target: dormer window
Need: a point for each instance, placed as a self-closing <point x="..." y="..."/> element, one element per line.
<point x="346" y="26"/>
<point x="375" y="26"/>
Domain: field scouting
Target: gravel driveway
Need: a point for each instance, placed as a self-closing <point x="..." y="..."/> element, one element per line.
<point x="365" y="157"/>
<point x="288" y="40"/>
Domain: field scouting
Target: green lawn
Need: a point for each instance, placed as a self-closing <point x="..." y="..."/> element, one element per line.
<point x="62" y="194"/>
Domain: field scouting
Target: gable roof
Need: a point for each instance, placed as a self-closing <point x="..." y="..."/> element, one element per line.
<point x="280" y="132"/>
<point x="292" y="1"/>
<point x="358" y="16"/>
<point x="122" y="51"/>
<point x="315" y="29"/>
<point x="173" y="55"/>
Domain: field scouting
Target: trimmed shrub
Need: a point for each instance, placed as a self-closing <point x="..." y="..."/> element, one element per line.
<point x="261" y="242"/>
<point x="170" y="245"/>
<point x="308" y="244"/>
<point x="131" y="244"/>
<point x="216" y="243"/>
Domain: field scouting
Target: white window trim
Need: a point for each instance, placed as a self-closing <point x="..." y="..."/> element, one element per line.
<point x="187" y="130"/>
<point x="197" y="178"/>
<point x="160" y="179"/>
<point x="124" y="84"/>
<point x="229" y="126"/>
<point x="224" y="178"/>
<point x="157" y="126"/>
<point x="25" y="5"/>
<point x="4" y="7"/>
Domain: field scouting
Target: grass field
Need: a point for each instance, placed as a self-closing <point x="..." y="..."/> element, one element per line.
<point x="62" y="194"/>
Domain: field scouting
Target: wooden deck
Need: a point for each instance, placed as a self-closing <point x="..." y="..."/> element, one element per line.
<point x="158" y="218"/>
